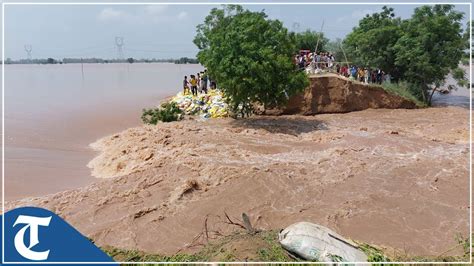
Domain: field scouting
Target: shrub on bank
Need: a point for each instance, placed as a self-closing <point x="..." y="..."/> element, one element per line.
<point x="168" y="112"/>
<point x="406" y="90"/>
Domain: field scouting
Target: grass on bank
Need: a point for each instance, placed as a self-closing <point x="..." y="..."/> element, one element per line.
<point x="264" y="247"/>
<point x="405" y="90"/>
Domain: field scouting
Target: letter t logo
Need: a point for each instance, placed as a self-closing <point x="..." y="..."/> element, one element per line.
<point x="32" y="223"/>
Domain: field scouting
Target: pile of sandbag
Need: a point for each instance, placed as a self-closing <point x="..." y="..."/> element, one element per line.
<point x="210" y="105"/>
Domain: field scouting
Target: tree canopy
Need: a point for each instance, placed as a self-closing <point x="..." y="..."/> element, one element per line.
<point x="431" y="46"/>
<point x="307" y="40"/>
<point x="372" y="42"/>
<point x="250" y="57"/>
<point x="422" y="50"/>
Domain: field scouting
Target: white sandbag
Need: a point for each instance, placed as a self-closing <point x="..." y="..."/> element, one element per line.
<point x="318" y="243"/>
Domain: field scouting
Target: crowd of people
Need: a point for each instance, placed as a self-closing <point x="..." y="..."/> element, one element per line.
<point x="198" y="82"/>
<point x="321" y="60"/>
<point x="363" y="74"/>
<point x="326" y="62"/>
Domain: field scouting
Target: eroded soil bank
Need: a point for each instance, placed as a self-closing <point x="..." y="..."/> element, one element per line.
<point x="395" y="178"/>
<point x="331" y="93"/>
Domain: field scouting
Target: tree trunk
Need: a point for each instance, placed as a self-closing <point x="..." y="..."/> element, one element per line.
<point x="423" y="93"/>
<point x="431" y="95"/>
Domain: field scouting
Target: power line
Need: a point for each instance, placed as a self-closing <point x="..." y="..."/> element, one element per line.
<point x="159" y="51"/>
<point x="110" y="51"/>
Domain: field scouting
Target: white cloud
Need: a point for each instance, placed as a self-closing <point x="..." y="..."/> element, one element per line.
<point x="110" y="14"/>
<point x="355" y="16"/>
<point x="358" y="14"/>
<point x="147" y="14"/>
<point x="182" y="15"/>
<point x="155" y="9"/>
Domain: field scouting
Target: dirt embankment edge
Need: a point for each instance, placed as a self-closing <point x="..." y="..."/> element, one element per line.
<point x="336" y="94"/>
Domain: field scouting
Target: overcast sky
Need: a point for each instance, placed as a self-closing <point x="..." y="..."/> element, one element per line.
<point x="153" y="31"/>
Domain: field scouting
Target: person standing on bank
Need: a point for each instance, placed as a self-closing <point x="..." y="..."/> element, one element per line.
<point x="204" y="80"/>
<point x="198" y="79"/>
<point x="185" y="85"/>
<point x="193" y="82"/>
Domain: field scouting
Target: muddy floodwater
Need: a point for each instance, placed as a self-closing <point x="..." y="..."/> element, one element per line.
<point x="394" y="178"/>
<point x="397" y="178"/>
<point x="53" y="112"/>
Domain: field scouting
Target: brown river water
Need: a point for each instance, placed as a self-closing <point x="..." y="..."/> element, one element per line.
<point x="394" y="178"/>
<point x="53" y="112"/>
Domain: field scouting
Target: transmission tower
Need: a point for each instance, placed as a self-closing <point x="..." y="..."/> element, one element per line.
<point x="28" y="49"/>
<point x="119" y="44"/>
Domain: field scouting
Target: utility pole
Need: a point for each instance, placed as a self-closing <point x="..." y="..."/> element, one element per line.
<point x="320" y="32"/>
<point x="345" y="57"/>
<point x="82" y="69"/>
<point x="119" y="43"/>
<point x="28" y="49"/>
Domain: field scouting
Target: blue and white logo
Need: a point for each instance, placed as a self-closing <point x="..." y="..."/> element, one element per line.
<point x="32" y="223"/>
<point x="38" y="235"/>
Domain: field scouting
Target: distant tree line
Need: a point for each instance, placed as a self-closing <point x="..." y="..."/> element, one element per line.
<point x="93" y="60"/>
<point x="185" y="60"/>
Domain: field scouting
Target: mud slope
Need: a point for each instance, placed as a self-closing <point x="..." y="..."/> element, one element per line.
<point x="397" y="178"/>
<point x="334" y="94"/>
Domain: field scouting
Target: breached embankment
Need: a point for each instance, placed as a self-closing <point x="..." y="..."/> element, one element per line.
<point x="387" y="177"/>
<point x="331" y="93"/>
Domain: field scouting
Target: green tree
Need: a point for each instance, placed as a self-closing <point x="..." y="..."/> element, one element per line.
<point x="130" y="60"/>
<point x="50" y="61"/>
<point x="467" y="39"/>
<point x="308" y="40"/>
<point x="431" y="47"/>
<point x="372" y="42"/>
<point x="250" y="57"/>
<point x="421" y="50"/>
<point x="467" y="33"/>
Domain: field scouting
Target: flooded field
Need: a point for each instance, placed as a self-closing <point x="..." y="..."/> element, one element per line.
<point x="53" y="112"/>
